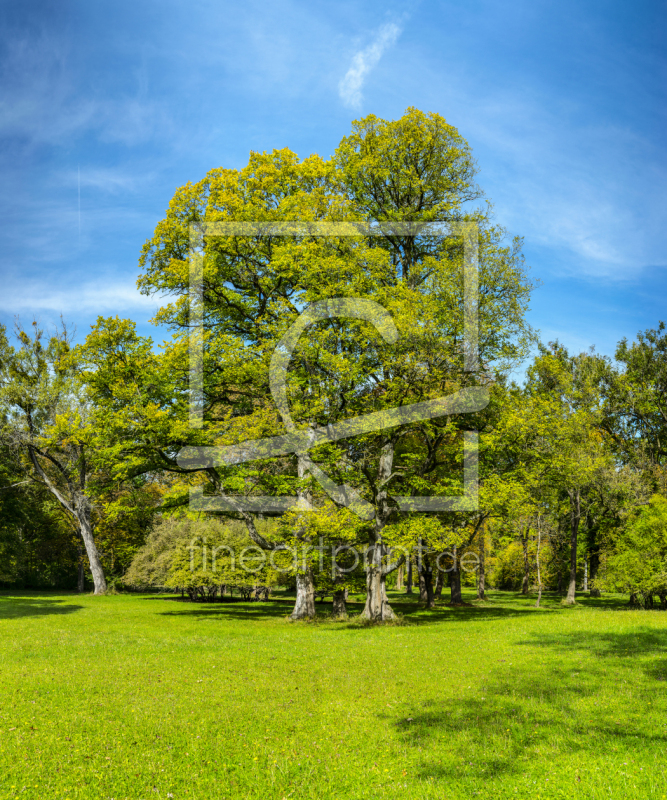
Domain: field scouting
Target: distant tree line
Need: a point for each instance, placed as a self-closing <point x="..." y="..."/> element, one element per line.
<point x="94" y="486"/>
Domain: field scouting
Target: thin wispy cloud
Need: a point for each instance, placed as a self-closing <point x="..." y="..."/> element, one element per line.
<point x="349" y="89"/>
<point x="100" y="297"/>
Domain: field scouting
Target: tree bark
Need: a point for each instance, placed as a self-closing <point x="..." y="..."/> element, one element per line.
<point x="78" y="505"/>
<point x="575" y="516"/>
<point x="537" y="563"/>
<point x="439" y="581"/>
<point x="525" y="583"/>
<point x="481" y="571"/>
<point x="423" y="597"/>
<point x="339" y="607"/>
<point x="81" y="577"/>
<point x="426" y="582"/>
<point x="399" y="577"/>
<point x="86" y="528"/>
<point x="408" y="583"/>
<point x="456" y="598"/>
<point x="304" y="607"/>
<point x="377" y="608"/>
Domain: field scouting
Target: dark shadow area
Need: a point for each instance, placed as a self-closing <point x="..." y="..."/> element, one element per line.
<point x="518" y="710"/>
<point x="410" y="612"/>
<point x="604" y="645"/>
<point x="245" y="610"/>
<point x="503" y="605"/>
<point x="14" y="607"/>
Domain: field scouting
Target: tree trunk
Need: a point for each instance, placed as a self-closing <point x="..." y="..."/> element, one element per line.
<point x="408" y="583"/>
<point x="455" y="586"/>
<point x="525" y="583"/>
<point x="339" y="607"/>
<point x="304" y="607"/>
<point x="399" y="577"/>
<point x="81" y="578"/>
<point x="423" y="595"/>
<point x="586" y="573"/>
<point x="537" y="564"/>
<point x="86" y="529"/>
<point x="481" y="571"/>
<point x="575" y="516"/>
<point x="594" y="562"/>
<point x="426" y="583"/>
<point x="377" y="608"/>
<point x="439" y="581"/>
<point x="426" y="595"/>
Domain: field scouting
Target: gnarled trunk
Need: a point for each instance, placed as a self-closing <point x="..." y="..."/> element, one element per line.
<point x="304" y="607"/>
<point x="377" y="608"/>
<point x="339" y="607"/>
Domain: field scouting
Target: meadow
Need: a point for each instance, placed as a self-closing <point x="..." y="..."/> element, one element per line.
<point x="137" y="696"/>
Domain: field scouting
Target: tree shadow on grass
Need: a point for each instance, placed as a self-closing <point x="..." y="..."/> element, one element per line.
<point x="276" y="608"/>
<point x="521" y="714"/>
<point x="237" y="610"/>
<point x="501" y="606"/>
<point x="627" y="644"/>
<point x="16" y="607"/>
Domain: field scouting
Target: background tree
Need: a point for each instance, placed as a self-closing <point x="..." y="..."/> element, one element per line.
<point x="49" y="428"/>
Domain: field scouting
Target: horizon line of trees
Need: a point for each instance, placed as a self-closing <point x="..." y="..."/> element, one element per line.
<point x="571" y="464"/>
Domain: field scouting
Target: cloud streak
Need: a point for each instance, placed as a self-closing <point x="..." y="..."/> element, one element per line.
<point x="349" y="89"/>
<point x="111" y="297"/>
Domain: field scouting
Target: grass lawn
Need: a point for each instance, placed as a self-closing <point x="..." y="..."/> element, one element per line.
<point x="150" y="697"/>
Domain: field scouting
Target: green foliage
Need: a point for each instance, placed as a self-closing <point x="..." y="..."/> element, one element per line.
<point x="637" y="564"/>
<point x="636" y="397"/>
<point x="201" y="556"/>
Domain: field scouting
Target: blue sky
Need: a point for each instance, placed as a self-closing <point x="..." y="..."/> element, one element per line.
<point x="107" y="107"/>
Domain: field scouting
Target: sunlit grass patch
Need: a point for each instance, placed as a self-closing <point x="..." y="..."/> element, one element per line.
<point x="141" y="697"/>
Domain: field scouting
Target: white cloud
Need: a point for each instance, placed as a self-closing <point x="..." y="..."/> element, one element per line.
<point x="100" y="297"/>
<point x="363" y="62"/>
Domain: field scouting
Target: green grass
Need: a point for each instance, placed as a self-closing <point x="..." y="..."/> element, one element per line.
<point x="149" y="697"/>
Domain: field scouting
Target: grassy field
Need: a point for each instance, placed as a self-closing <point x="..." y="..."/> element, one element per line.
<point x="149" y="697"/>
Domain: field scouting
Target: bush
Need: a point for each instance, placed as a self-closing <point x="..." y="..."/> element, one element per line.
<point x="202" y="557"/>
<point x="637" y="561"/>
